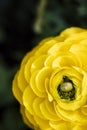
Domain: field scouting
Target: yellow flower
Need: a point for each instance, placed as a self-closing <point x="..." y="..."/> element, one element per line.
<point x="51" y="84"/>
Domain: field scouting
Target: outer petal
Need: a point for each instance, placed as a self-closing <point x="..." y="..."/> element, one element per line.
<point x="70" y="31"/>
<point x="41" y="76"/>
<point x="36" y="107"/>
<point x="22" y="84"/>
<point x="43" y="124"/>
<point x="31" y="119"/>
<point x="34" y="87"/>
<point x="48" y="111"/>
<point x="22" y="110"/>
<point x="62" y="125"/>
<point x="16" y="91"/>
<point x="28" y="98"/>
<point x="73" y="116"/>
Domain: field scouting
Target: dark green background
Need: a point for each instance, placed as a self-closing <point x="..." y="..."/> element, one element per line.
<point x="18" y="35"/>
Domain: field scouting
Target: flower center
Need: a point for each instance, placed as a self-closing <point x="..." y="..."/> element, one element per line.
<point x="66" y="89"/>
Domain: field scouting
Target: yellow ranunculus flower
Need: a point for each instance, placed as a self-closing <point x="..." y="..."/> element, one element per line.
<point x="51" y="84"/>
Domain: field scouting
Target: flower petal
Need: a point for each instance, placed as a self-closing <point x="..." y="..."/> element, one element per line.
<point x="48" y="114"/>
<point x="43" y="124"/>
<point x="36" y="107"/>
<point x="16" y="91"/>
<point x="35" y="87"/>
<point x="73" y="116"/>
<point x="31" y="118"/>
<point x="84" y="110"/>
<point x="40" y="78"/>
<point x="38" y="63"/>
<point x="28" y="98"/>
<point x="21" y="79"/>
<point x="61" y="125"/>
<point x="27" y="70"/>
<point x="22" y="110"/>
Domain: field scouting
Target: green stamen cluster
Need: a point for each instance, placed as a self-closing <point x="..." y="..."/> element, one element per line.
<point x="66" y="89"/>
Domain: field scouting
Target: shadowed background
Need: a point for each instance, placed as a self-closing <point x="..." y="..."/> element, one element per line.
<point x="23" y="23"/>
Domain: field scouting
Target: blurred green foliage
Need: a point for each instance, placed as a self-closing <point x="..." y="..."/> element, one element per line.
<point x="23" y="23"/>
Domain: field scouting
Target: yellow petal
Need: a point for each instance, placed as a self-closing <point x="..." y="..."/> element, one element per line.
<point x="16" y="91"/>
<point x="74" y="116"/>
<point x="35" y="87"/>
<point x="66" y="59"/>
<point x="29" y="55"/>
<point x="48" y="114"/>
<point x="49" y="60"/>
<point x="41" y="77"/>
<point x="31" y="118"/>
<point x="43" y="124"/>
<point x="62" y="46"/>
<point x="50" y="98"/>
<point x="82" y="57"/>
<point x="22" y="110"/>
<point x="36" y="107"/>
<point x="76" y="38"/>
<point x="21" y="79"/>
<point x="84" y="86"/>
<point x="84" y="110"/>
<point x="61" y="125"/>
<point x="51" y="109"/>
<point x="28" y="98"/>
<point x="44" y="49"/>
<point x="27" y="70"/>
<point x="38" y="62"/>
<point x="80" y="127"/>
<point x="70" y="31"/>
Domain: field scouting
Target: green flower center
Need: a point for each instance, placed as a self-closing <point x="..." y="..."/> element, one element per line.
<point x="66" y="89"/>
